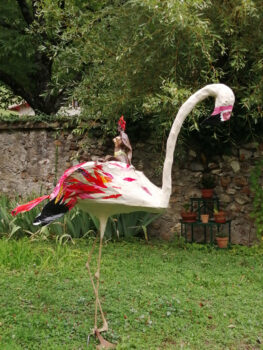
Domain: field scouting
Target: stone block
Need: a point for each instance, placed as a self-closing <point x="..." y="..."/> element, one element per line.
<point x="213" y="165"/>
<point x="235" y="165"/>
<point x="241" y="198"/>
<point x="246" y="190"/>
<point x="240" y="181"/>
<point x="227" y="158"/>
<point x="245" y="154"/>
<point x="225" y="181"/>
<point x="251" y="145"/>
<point x="192" y="153"/>
<point x="216" y="172"/>
<point x="195" y="166"/>
<point x="224" y="198"/>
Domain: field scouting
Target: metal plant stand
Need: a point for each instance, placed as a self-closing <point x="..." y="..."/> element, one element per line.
<point x="204" y="206"/>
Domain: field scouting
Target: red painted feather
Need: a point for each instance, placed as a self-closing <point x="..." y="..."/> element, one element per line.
<point x="28" y="206"/>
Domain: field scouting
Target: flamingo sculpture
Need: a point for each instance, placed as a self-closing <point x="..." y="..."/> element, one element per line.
<point x="114" y="187"/>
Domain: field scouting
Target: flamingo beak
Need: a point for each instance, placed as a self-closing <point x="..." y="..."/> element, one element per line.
<point x="224" y="111"/>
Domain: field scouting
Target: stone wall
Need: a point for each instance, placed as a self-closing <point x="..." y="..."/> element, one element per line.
<point x="31" y="153"/>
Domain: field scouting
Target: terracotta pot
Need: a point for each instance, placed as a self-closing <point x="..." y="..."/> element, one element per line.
<point x="204" y="218"/>
<point x="222" y="242"/>
<point x="188" y="216"/>
<point x="207" y="192"/>
<point x="220" y="217"/>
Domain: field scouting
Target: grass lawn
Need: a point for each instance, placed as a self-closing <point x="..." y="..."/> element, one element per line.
<point x="156" y="296"/>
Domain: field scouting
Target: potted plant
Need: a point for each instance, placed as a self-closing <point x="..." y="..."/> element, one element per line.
<point x="219" y="216"/>
<point x="222" y="240"/>
<point x="187" y="215"/>
<point x="208" y="185"/>
<point x="204" y="218"/>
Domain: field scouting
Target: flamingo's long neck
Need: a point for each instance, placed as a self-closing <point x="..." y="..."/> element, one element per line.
<point x="186" y="108"/>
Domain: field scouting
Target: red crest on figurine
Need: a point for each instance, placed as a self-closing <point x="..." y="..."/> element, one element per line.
<point x="122" y="123"/>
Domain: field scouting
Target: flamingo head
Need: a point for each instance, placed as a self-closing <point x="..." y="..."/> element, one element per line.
<point x="224" y="102"/>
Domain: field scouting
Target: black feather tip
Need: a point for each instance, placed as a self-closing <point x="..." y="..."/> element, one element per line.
<point x="51" y="212"/>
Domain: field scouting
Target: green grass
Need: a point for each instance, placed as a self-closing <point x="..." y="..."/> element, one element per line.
<point x="156" y="296"/>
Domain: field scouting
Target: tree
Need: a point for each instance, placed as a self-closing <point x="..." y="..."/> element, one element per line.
<point x="156" y="54"/>
<point x="142" y="58"/>
<point x="33" y="47"/>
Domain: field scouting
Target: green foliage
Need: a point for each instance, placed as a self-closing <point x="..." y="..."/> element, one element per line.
<point x="38" y="39"/>
<point x="157" y="295"/>
<point x="141" y="59"/>
<point x="186" y="207"/>
<point x="7" y="98"/>
<point x="75" y="224"/>
<point x="8" y="115"/>
<point x="128" y="225"/>
<point x="152" y="56"/>
<point x="12" y="118"/>
<point x="14" y="227"/>
<point x="216" y="210"/>
<point x="256" y="184"/>
<point x="222" y="233"/>
<point x="208" y="181"/>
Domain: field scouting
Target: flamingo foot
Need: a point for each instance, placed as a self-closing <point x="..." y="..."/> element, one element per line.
<point x="104" y="327"/>
<point x="104" y="344"/>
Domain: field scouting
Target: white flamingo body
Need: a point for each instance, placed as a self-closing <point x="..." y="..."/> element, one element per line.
<point x="126" y="190"/>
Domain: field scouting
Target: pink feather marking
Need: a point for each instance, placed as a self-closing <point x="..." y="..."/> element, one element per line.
<point x="85" y="196"/>
<point x="112" y="196"/>
<point x="108" y="175"/>
<point x="67" y="173"/>
<point x="220" y="109"/>
<point x="146" y="190"/>
<point x="130" y="179"/>
<point x="119" y="165"/>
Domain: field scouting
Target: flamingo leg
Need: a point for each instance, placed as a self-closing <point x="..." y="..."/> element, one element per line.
<point x="104" y="344"/>
<point x="105" y="324"/>
<point x="103" y="223"/>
